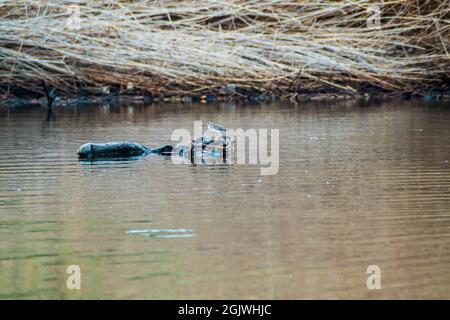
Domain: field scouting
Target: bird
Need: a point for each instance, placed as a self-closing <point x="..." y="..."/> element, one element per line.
<point x="217" y="128"/>
<point x="214" y="127"/>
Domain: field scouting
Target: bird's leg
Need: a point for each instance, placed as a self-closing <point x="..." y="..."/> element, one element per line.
<point x="203" y="147"/>
<point x="224" y="147"/>
<point x="192" y="151"/>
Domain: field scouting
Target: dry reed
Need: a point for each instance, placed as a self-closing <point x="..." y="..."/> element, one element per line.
<point x="178" y="47"/>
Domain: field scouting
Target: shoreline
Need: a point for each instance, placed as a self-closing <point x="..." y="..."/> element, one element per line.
<point x="241" y="95"/>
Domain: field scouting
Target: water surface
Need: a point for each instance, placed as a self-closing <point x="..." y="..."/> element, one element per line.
<point x="359" y="184"/>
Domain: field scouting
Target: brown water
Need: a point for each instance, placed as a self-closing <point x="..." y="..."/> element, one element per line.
<point x="358" y="185"/>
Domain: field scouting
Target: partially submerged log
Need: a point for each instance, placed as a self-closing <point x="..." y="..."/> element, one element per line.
<point x="119" y="150"/>
<point x="111" y="149"/>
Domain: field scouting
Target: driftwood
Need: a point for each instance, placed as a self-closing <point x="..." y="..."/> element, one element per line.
<point x="118" y="150"/>
<point x="111" y="150"/>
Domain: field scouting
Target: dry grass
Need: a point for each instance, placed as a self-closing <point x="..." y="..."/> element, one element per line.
<point x="192" y="46"/>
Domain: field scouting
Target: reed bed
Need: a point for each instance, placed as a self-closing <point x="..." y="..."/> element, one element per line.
<point x="185" y="47"/>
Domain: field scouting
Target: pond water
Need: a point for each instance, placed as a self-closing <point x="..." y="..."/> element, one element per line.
<point x="358" y="184"/>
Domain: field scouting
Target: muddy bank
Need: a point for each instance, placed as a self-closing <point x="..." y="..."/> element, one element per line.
<point x="18" y="97"/>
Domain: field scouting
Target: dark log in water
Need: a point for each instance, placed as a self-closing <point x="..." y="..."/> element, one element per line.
<point x="119" y="150"/>
<point x="112" y="149"/>
<point x="132" y="150"/>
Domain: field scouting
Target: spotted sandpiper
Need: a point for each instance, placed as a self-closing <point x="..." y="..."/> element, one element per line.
<point x="214" y="127"/>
